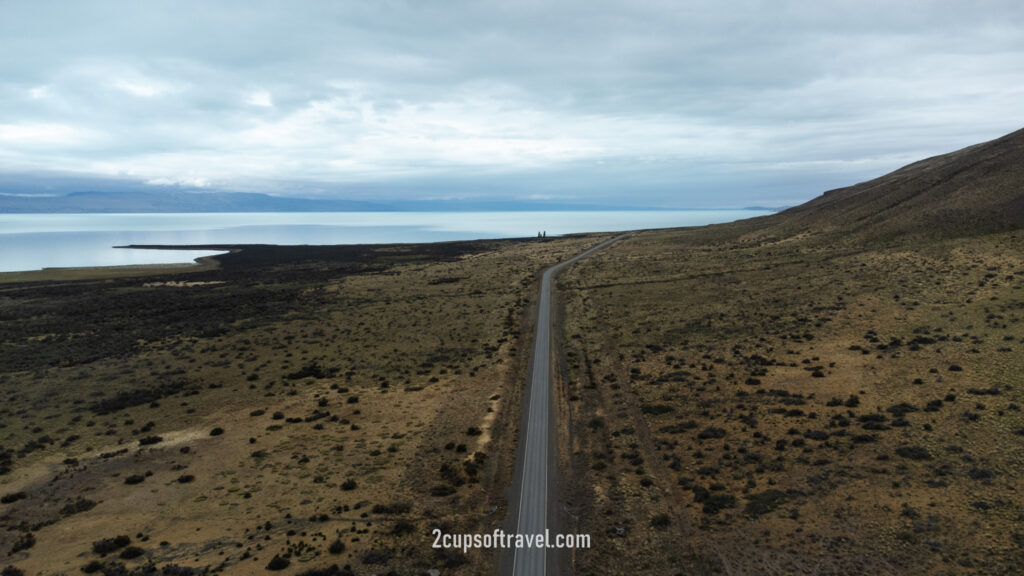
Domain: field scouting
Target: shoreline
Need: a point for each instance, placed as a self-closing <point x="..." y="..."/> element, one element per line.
<point x="201" y="264"/>
<point x="211" y="262"/>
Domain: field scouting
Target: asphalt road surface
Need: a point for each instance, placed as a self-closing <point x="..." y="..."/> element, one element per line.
<point x="534" y="487"/>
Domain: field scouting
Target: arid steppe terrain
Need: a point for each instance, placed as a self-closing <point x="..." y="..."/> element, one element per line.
<point x="745" y="404"/>
<point x="325" y="407"/>
<point x="834" y="389"/>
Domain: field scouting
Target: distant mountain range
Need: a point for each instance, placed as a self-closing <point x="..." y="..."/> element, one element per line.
<point x="173" y="201"/>
<point x="164" y="201"/>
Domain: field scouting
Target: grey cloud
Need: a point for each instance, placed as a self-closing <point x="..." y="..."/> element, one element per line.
<point x="679" y="103"/>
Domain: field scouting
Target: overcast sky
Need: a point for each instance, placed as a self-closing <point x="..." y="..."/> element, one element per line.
<point x="684" y="104"/>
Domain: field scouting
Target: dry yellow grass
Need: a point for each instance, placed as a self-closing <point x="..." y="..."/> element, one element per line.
<point x="403" y="380"/>
<point x="709" y="374"/>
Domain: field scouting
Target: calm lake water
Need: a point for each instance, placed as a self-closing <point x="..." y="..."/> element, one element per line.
<point x="36" y="241"/>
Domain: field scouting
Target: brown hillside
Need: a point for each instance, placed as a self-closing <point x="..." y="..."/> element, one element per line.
<point x="976" y="190"/>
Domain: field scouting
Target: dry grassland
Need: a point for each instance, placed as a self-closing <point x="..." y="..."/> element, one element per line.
<point x="748" y="404"/>
<point x="317" y="412"/>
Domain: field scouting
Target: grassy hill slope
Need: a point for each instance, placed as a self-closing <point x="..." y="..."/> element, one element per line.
<point x="976" y="190"/>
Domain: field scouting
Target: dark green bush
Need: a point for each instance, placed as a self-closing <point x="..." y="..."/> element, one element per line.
<point x="108" y="545"/>
<point x="764" y="502"/>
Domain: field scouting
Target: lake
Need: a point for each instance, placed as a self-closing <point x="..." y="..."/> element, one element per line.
<point x="36" y="241"/>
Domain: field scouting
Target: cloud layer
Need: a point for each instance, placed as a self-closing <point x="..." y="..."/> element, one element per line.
<point x="670" y="104"/>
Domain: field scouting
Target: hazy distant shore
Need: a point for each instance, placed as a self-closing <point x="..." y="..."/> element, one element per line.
<point x="37" y="241"/>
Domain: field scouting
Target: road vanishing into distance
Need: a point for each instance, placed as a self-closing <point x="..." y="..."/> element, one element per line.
<point x="540" y="431"/>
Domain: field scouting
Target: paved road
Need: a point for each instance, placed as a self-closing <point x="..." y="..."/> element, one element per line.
<point x="534" y="488"/>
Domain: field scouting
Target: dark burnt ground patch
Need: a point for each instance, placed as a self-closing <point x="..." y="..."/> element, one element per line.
<point x="46" y="324"/>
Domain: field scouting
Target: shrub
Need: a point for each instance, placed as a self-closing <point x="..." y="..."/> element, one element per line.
<point x="78" y="505"/>
<point x="332" y="570"/>
<point x="711" y="432"/>
<point x="875" y="417"/>
<point x="176" y="570"/>
<point x="312" y="370"/>
<point x="661" y="521"/>
<point x="349" y="484"/>
<point x="403" y="527"/>
<point x="913" y="453"/>
<point x="764" y="502"/>
<point x="24" y="542"/>
<point x="12" y="497"/>
<point x="449" y="558"/>
<point x="980" y="474"/>
<point x="377" y="557"/>
<point x="819" y="435"/>
<point x="132" y="552"/>
<point x="395" y="508"/>
<point x="678" y="427"/>
<point x="336" y="547"/>
<point x="108" y="545"/>
<point x="139" y="397"/>
<point x="149" y="440"/>
<point x="715" y="502"/>
<point x="901" y="409"/>
<point x="134" y="479"/>
<point x="278" y="563"/>
<point x="216" y="431"/>
<point x="442" y="490"/>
